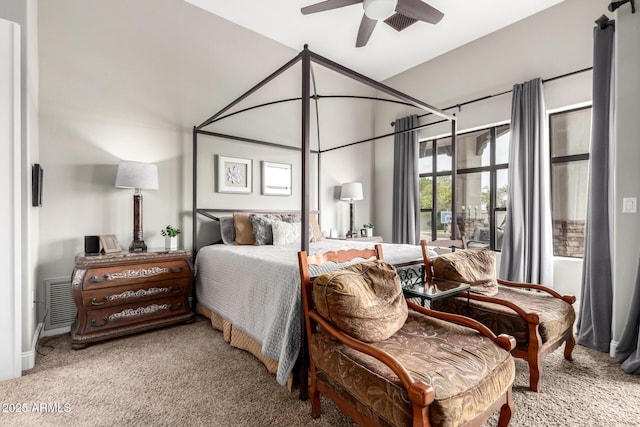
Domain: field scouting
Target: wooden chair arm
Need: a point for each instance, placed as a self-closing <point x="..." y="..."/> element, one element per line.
<point x="503" y="341"/>
<point x="570" y="299"/>
<point x="416" y="389"/>
<point x="528" y="317"/>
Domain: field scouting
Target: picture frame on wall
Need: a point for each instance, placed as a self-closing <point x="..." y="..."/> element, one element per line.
<point x="234" y="175"/>
<point x="276" y="179"/>
<point x="110" y="243"/>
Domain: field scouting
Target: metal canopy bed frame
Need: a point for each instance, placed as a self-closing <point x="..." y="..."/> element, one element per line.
<point x="306" y="58"/>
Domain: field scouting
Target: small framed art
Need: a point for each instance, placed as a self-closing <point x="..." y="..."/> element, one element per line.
<point x="234" y="175"/>
<point x="276" y="179"/>
<point x="110" y="243"/>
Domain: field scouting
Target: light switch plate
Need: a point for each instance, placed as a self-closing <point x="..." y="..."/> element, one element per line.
<point x="629" y="205"/>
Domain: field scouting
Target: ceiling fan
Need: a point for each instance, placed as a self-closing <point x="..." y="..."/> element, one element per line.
<point x="407" y="13"/>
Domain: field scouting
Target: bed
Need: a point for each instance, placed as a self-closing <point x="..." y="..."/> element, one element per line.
<point x="252" y="292"/>
<point x="257" y="290"/>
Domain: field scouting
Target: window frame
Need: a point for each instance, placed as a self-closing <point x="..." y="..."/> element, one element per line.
<point x="492" y="168"/>
<point x="565" y="159"/>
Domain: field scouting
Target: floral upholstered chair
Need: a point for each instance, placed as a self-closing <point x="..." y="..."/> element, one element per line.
<point x="385" y="361"/>
<point x="539" y="318"/>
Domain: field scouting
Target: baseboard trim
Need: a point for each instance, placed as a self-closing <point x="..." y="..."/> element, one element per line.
<point x="57" y="331"/>
<point x="29" y="356"/>
<point x="612" y="348"/>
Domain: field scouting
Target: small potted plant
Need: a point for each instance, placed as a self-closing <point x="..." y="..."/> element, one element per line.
<point x="368" y="229"/>
<point x="170" y="234"/>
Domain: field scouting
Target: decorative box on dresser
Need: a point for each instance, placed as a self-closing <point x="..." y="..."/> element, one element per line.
<point x="129" y="292"/>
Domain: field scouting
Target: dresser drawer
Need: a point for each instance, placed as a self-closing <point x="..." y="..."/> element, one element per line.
<point x="106" y="277"/>
<point x="130" y="314"/>
<point x="134" y="293"/>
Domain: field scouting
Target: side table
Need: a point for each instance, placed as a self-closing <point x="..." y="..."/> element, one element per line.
<point x="124" y="293"/>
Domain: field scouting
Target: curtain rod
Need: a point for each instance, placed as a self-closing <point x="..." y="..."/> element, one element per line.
<point x="482" y="98"/>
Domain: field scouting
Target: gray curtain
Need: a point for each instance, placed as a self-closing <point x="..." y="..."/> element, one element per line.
<point x="594" y="322"/>
<point x="527" y="243"/>
<point x="628" y="349"/>
<point x="406" y="198"/>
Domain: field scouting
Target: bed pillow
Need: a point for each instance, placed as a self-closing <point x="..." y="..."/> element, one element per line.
<point x="227" y="230"/>
<point x="285" y="233"/>
<point x="243" y="229"/>
<point x="315" y="233"/>
<point x="262" y="230"/>
<point x="477" y="267"/>
<point x="364" y="300"/>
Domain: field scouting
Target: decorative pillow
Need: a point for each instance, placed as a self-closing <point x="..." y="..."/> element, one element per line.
<point x="285" y="233"/>
<point x="227" y="230"/>
<point x="243" y="228"/>
<point x="477" y="267"/>
<point x="262" y="228"/>
<point x="315" y="227"/>
<point x="364" y="300"/>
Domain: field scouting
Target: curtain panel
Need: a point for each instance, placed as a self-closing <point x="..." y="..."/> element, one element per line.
<point x="406" y="196"/>
<point x="527" y="243"/>
<point x="596" y="311"/>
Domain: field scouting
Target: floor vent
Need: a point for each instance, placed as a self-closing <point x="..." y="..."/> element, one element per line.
<point x="61" y="310"/>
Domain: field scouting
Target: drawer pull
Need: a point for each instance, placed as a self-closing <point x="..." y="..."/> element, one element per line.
<point x="135" y="274"/>
<point x="140" y="311"/>
<point x="140" y="293"/>
<point x="94" y="323"/>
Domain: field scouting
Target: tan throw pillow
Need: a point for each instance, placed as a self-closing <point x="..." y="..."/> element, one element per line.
<point x="244" y="229"/>
<point x="477" y="267"/>
<point x="315" y="227"/>
<point x="364" y="300"/>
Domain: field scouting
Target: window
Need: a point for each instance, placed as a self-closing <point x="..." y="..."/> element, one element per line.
<point x="569" y="138"/>
<point x="481" y="186"/>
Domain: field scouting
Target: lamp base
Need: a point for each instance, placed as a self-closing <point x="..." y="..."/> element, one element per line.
<point x="137" y="246"/>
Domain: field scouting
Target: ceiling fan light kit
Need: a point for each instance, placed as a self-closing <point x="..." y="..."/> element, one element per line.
<point x="379" y="9"/>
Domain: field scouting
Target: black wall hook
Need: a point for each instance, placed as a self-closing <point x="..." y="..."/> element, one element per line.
<point x="616" y="4"/>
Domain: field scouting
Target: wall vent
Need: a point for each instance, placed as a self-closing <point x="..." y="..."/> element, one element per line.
<point x="61" y="310"/>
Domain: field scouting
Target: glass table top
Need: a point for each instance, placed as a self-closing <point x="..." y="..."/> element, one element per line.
<point x="435" y="288"/>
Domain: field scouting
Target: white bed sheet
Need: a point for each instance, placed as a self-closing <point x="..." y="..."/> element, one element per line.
<point x="257" y="289"/>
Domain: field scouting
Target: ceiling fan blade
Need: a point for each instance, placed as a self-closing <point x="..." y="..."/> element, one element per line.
<point x="364" y="32"/>
<point x="419" y="10"/>
<point x="327" y="5"/>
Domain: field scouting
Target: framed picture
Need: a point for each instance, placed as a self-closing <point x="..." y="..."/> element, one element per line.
<point x="234" y="175"/>
<point x="110" y="243"/>
<point x="276" y="179"/>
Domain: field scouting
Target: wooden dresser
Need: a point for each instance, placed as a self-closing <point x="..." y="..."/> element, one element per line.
<point x="124" y="293"/>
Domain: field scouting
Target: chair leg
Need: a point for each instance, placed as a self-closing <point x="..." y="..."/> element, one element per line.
<point x="535" y="372"/>
<point x="314" y="396"/>
<point x="568" y="347"/>
<point x="506" y="410"/>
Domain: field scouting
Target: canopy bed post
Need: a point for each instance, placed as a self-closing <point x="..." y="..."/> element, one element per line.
<point x="454" y="173"/>
<point x="306" y="109"/>
<point x="194" y="189"/>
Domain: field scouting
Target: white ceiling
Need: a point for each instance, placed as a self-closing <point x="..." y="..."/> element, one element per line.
<point x="333" y="33"/>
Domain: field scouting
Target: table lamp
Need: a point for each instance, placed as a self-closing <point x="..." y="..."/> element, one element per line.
<point x="140" y="176"/>
<point x="351" y="191"/>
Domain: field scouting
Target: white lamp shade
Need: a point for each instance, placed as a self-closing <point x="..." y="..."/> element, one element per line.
<point x="143" y="176"/>
<point x="351" y="191"/>
<point x="379" y="9"/>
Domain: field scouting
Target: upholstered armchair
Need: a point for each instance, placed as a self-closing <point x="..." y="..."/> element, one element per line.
<point x="539" y="318"/>
<point x="385" y="361"/>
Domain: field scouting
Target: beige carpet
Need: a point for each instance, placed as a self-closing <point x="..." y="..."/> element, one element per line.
<point x="187" y="375"/>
